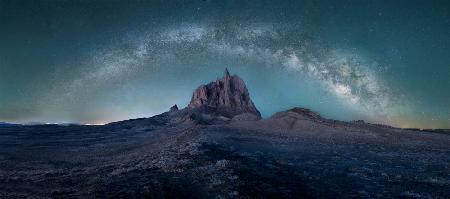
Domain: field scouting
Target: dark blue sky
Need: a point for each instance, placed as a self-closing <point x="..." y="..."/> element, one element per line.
<point x="101" y="61"/>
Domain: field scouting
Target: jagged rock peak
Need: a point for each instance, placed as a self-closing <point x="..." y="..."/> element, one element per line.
<point x="228" y="96"/>
<point x="226" y="73"/>
<point x="173" y="108"/>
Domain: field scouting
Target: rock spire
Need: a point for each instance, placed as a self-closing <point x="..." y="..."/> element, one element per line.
<point x="228" y="96"/>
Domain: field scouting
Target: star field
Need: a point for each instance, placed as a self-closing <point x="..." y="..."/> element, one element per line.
<point x="97" y="61"/>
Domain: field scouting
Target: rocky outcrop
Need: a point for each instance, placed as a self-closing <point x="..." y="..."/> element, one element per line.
<point x="173" y="108"/>
<point x="304" y="112"/>
<point x="245" y="117"/>
<point x="228" y="96"/>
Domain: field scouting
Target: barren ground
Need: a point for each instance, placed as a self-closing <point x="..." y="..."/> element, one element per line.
<point x="149" y="158"/>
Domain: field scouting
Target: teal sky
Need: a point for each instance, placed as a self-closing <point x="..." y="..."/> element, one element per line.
<point x="102" y="61"/>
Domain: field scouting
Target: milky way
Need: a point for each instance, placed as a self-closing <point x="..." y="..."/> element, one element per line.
<point x="140" y="60"/>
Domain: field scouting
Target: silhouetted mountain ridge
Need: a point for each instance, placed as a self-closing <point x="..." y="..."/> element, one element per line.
<point x="227" y="99"/>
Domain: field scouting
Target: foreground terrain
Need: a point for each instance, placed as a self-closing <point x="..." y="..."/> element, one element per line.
<point x="293" y="154"/>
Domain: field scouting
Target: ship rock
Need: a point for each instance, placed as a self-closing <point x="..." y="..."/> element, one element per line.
<point x="227" y="96"/>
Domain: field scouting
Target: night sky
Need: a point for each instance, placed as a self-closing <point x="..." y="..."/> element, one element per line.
<point x="101" y="61"/>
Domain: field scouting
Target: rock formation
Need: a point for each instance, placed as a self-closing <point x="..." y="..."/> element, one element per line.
<point x="228" y="96"/>
<point x="299" y="112"/>
<point x="173" y="108"/>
